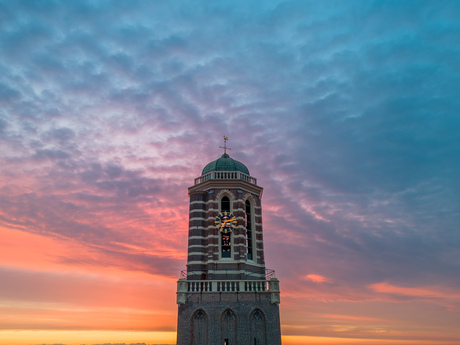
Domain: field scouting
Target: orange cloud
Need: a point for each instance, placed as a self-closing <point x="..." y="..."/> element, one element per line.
<point x="70" y="337"/>
<point x="414" y="292"/>
<point x="349" y="317"/>
<point x="316" y="278"/>
<point x="50" y="283"/>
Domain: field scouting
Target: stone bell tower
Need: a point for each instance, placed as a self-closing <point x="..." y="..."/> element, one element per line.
<point x="227" y="296"/>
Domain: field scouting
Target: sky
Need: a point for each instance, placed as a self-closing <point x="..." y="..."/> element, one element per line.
<point x="347" y="113"/>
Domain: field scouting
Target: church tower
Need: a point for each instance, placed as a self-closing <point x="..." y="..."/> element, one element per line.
<point x="227" y="296"/>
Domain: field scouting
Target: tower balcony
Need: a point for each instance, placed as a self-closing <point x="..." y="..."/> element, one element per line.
<point x="226" y="175"/>
<point x="185" y="287"/>
<point x="200" y="286"/>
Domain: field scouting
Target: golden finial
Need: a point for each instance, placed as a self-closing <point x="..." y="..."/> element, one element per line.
<point x="225" y="145"/>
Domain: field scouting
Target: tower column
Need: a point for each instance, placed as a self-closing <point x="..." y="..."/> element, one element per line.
<point x="226" y="295"/>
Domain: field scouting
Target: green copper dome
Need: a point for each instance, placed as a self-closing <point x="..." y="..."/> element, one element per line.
<point x="225" y="163"/>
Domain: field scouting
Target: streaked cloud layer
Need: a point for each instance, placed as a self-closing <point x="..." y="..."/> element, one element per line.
<point x="345" y="111"/>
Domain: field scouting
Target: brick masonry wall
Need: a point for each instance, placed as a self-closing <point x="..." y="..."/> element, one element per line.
<point x="242" y="305"/>
<point x="205" y="207"/>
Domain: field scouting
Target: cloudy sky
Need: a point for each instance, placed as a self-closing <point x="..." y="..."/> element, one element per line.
<point x="347" y="113"/>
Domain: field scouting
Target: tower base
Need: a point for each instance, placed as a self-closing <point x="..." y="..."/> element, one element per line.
<point x="240" y="318"/>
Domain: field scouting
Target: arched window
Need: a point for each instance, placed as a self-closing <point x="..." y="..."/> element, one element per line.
<point x="258" y="329"/>
<point x="228" y="328"/>
<point x="199" y="328"/>
<point x="249" y="232"/>
<point x="225" y="204"/>
<point x="226" y="244"/>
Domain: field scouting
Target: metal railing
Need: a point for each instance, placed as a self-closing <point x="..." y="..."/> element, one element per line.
<point x="269" y="273"/>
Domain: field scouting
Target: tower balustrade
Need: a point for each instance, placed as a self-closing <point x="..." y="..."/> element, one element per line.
<point x="226" y="175"/>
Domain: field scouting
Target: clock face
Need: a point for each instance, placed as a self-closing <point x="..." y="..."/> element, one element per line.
<point x="225" y="222"/>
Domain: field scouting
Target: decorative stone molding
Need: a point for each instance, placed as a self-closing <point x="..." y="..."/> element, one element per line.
<point x="227" y="193"/>
<point x="274" y="288"/>
<point x="181" y="291"/>
<point x="248" y="196"/>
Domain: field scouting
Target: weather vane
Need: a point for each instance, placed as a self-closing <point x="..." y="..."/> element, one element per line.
<point x="225" y="145"/>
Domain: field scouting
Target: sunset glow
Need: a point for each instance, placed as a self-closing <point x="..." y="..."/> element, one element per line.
<point x="346" y="112"/>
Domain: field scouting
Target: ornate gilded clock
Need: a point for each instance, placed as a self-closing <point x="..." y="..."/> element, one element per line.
<point x="225" y="222"/>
